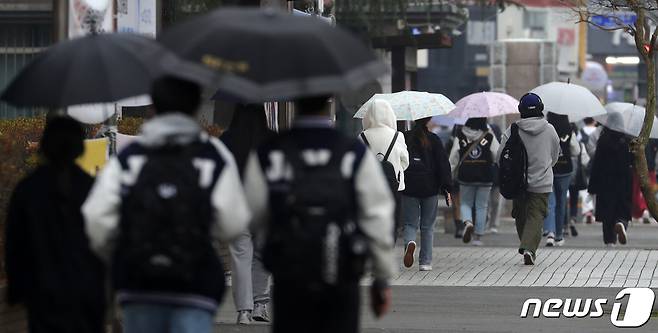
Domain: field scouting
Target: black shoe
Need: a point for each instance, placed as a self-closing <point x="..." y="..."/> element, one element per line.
<point x="468" y="231"/>
<point x="409" y="251"/>
<point x="621" y="233"/>
<point x="528" y="258"/>
<point x="574" y="231"/>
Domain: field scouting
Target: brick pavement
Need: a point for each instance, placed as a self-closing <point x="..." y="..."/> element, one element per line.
<point x="555" y="267"/>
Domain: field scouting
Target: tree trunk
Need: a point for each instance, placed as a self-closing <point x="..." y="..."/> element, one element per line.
<point x="638" y="145"/>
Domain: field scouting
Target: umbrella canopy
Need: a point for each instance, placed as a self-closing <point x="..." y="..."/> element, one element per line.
<point x="411" y="105"/>
<point x="96" y="69"/>
<point x="626" y="118"/>
<point x="267" y="55"/>
<point x="569" y="99"/>
<point x="447" y="121"/>
<point x="485" y="105"/>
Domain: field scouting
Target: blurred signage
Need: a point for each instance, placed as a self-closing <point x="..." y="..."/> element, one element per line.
<point x="606" y="43"/>
<point x="614" y="20"/>
<point x="137" y="16"/>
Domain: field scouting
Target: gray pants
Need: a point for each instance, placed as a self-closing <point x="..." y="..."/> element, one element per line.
<point x="250" y="281"/>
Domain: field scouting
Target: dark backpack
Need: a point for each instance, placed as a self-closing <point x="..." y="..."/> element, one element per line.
<point x="164" y="241"/>
<point x="564" y="163"/>
<point x="420" y="179"/>
<point x="513" y="166"/>
<point x="392" y="177"/>
<point x="477" y="166"/>
<point x="313" y="239"/>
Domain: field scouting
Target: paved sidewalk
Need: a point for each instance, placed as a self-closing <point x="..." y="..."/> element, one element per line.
<point x="503" y="267"/>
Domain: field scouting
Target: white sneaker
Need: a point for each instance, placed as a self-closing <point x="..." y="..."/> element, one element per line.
<point x="646" y="218"/>
<point x="621" y="233"/>
<point x="550" y="239"/>
<point x="559" y="242"/>
<point x="243" y="318"/>
<point x="477" y="242"/>
<point x="493" y="230"/>
<point x="425" y="268"/>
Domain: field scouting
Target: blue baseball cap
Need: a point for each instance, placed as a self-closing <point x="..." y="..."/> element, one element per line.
<point x="531" y="103"/>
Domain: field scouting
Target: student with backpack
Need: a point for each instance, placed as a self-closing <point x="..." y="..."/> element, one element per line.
<point x="325" y="208"/>
<point x="380" y="134"/>
<point x="472" y="162"/>
<point x="563" y="171"/>
<point x="529" y="149"/>
<point x="428" y="176"/>
<point x="157" y="211"/>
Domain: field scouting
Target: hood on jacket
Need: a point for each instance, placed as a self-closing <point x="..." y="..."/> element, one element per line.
<point x="380" y="114"/>
<point x="173" y="128"/>
<point x="472" y="134"/>
<point x="533" y="126"/>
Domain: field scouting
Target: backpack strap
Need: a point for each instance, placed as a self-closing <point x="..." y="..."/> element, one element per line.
<point x="514" y="129"/>
<point x="390" y="147"/>
<point x="470" y="148"/>
<point x="365" y="140"/>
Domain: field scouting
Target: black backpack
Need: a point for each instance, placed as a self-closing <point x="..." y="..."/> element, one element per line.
<point x="420" y="180"/>
<point x="564" y="163"/>
<point x="164" y="242"/>
<point x="513" y="166"/>
<point x="313" y="239"/>
<point x="389" y="170"/>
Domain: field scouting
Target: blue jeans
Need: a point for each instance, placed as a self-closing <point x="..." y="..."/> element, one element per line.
<point x="156" y="318"/>
<point x="475" y="197"/>
<point x="557" y="206"/>
<point x="421" y="211"/>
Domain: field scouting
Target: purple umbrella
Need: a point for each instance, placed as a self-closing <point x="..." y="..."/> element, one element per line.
<point x="484" y="105"/>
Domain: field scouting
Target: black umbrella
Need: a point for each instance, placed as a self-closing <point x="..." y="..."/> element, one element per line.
<point x="96" y="69"/>
<point x="271" y="55"/>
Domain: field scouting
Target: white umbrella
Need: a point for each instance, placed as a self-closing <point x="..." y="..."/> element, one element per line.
<point x="626" y="118"/>
<point x="569" y="99"/>
<point x="485" y="105"/>
<point x="411" y="105"/>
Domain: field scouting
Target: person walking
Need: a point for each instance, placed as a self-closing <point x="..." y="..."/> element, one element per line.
<point x="542" y="146"/>
<point x="562" y="173"/>
<point x="250" y="280"/>
<point x="380" y="134"/>
<point x="472" y="162"/>
<point x="640" y="210"/>
<point x="325" y="206"/>
<point x="428" y="176"/>
<point x="611" y="180"/>
<point x="495" y="199"/>
<point x="578" y="183"/>
<point x="157" y="211"/>
<point x="50" y="267"/>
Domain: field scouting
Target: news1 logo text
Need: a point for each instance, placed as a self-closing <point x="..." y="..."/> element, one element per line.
<point x="637" y="312"/>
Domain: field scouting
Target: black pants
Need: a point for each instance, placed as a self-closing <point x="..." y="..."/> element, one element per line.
<point x="397" y="216"/>
<point x="297" y="309"/>
<point x="573" y="202"/>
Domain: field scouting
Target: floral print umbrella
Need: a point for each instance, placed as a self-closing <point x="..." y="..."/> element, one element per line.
<point x="485" y="105"/>
<point x="411" y="105"/>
